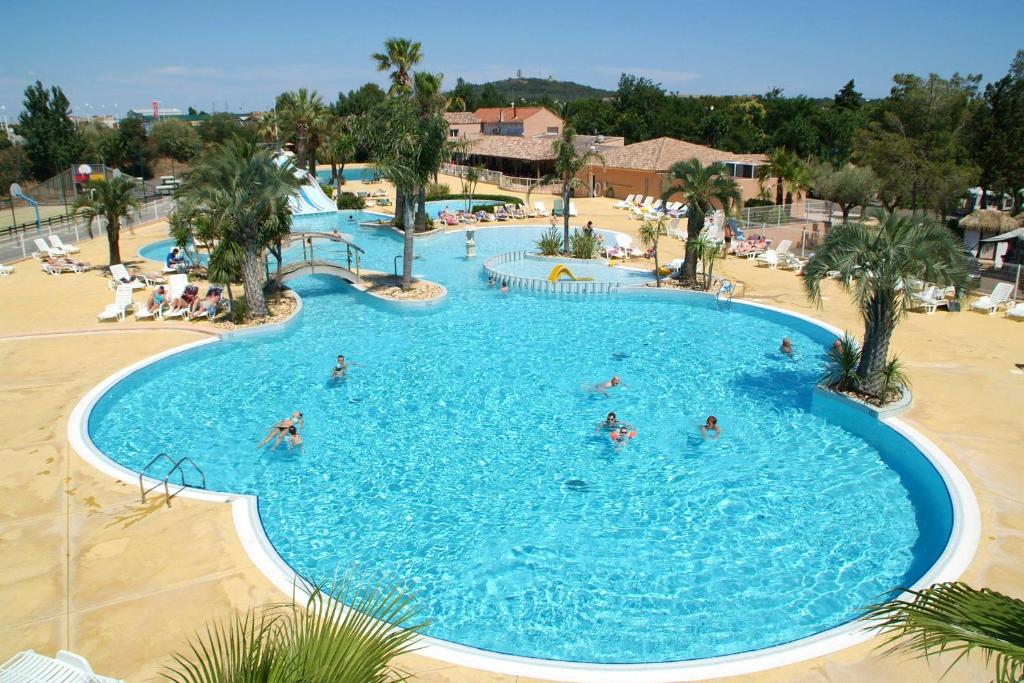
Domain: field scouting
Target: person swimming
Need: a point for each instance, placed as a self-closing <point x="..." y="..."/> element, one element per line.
<point x="603" y="387"/>
<point x="504" y="286"/>
<point x="610" y="422"/>
<point x="786" y="347"/>
<point x="293" y="437"/>
<point x="341" y="367"/>
<point x="711" y="426"/>
<point x="622" y="435"/>
<point x="491" y="281"/>
<point x="280" y="429"/>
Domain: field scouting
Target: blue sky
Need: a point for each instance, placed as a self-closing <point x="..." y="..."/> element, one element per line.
<point x="240" y="55"/>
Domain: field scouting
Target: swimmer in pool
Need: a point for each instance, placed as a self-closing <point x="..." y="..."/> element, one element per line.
<point x="609" y="423"/>
<point x="837" y="346"/>
<point x="280" y="429"/>
<point x="711" y="426"/>
<point x="786" y="347"/>
<point x="341" y="367"/>
<point x="491" y="281"/>
<point x="603" y="387"/>
<point x="622" y="435"/>
<point x="294" y="439"/>
<point x="504" y="286"/>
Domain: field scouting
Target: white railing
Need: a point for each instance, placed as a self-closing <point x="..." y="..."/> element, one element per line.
<point x="505" y="182"/>
<point x="542" y="285"/>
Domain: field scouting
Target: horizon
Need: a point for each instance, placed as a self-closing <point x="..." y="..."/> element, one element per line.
<point x="190" y="63"/>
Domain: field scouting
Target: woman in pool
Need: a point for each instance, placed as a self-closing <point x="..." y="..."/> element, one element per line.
<point x="280" y="429"/>
<point x="711" y="426"/>
<point x="603" y="387"/>
<point x="609" y="423"/>
<point x="786" y="347"/>
<point x="293" y="437"/>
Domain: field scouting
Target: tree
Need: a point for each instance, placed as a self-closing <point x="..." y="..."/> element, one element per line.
<point x="100" y="143"/>
<point x="569" y="164"/>
<point x="408" y="148"/>
<point x="848" y="97"/>
<point x="246" y="192"/>
<point x="133" y="151"/>
<point x="955" y="618"/>
<point x="52" y="141"/>
<point x="304" y="118"/>
<point x="221" y="127"/>
<point x="469" y="181"/>
<point x="341" y="636"/>
<point x="995" y="135"/>
<point x="400" y="56"/>
<point x="490" y="97"/>
<point x="650" y="234"/>
<point x="113" y="200"/>
<point x="702" y="187"/>
<point x="789" y="172"/>
<point x="876" y="266"/>
<point x="848" y="186"/>
<point x="359" y="102"/>
<point x="431" y="103"/>
<point x="176" y="139"/>
<point x="462" y="97"/>
<point x="14" y="165"/>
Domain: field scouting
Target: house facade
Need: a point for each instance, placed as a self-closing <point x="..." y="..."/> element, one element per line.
<point x="462" y="124"/>
<point x="515" y="121"/>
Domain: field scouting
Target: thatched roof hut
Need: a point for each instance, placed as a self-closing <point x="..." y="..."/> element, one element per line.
<point x="988" y="220"/>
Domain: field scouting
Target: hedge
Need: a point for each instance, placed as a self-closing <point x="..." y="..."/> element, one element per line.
<point x="495" y="197"/>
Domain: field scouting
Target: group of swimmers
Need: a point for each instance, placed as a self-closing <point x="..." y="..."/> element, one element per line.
<point x="285" y="430"/>
<point x="622" y="432"/>
<point x="491" y="281"/>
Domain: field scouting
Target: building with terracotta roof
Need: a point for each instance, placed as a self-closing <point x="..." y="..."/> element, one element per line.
<point x="519" y="121"/>
<point x="462" y="124"/>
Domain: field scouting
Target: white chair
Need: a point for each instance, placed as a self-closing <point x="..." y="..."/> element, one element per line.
<point x="557" y="206"/>
<point x="783" y="247"/>
<point x="58" y="243"/>
<point x="6" y="270"/>
<point x="122" y="302"/>
<point x="123" y="277"/>
<point x="672" y="230"/>
<point x="1016" y="312"/>
<point x="769" y="258"/>
<point x="647" y="202"/>
<point x="929" y="299"/>
<point x="572" y="208"/>
<point x="176" y="285"/>
<point x="539" y="207"/>
<point x="44" y="249"/>
<point x="67" y="667"/>
<point x="625" y="203"/>
<point x="991" y="302"/>
<point x="144" y="312"/>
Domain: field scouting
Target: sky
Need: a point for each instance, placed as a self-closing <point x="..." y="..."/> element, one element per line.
<point x="110" y="56"/>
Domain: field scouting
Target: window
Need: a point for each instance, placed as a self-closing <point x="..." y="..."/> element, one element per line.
<point x="453" y="133"/>
<point x="738" y="170"/>
<point x="553" y="129"/>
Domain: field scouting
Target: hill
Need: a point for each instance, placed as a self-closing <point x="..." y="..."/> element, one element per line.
<point x="533" y="89"/>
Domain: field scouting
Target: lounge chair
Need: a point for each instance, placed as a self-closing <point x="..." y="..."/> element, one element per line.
<point x="769" y="258"/>
<point x="122" y="302"/>
<point x="501" y="214"/>
<point x="483" y="216"/>
<point x="44" y="250"/>
<point x="176" y="287"/>
<point x="556" y="209"/>
<point x="541" y="211"/>
<point x="928" y="299"/>
<point x="56" y="266"/>
<point x="143" y="311"/>
<point x="515" y="210"/>
<point x="656" y="206"/>
<point x="57" y="243"/>
<point x="625" y="203"/>
<point x="6" y="270"/>
<point x="647" y="202"/>
<point x="672" y="230"/>
<point x="572" y="208"/>
<point x="1016" y="311"/>
<point x="123" y="277"/>
<point x="67" y="667"/>
<point x="991" y="302"/>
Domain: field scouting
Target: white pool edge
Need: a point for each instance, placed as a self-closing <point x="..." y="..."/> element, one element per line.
<point x="954" y="560"/>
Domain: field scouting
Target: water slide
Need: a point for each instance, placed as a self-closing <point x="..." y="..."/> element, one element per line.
<point x="311" y="198"/>
<point x="558" y="271"/>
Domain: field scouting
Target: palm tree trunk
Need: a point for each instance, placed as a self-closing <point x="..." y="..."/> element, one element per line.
<point x="407" y="253"/>
<point x="657" y="267"/>
<point x="252" y="278"/>
<point x="566" y="194"/>
<point x="780" y="196"/>
<point x="334" y="171"/>
<point x="879" y="323"/>
<point x="113" y="240"/>
<point x="694" y="224"/>
<point x="400" y="205"/>
<point x="421" y="209"/>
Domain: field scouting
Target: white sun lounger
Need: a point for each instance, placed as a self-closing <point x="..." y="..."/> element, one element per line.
<point x="122" y="302"/>
<point x="6" y="270"/>
<point x="625" y="203"/>
<point x="58" y="243"/>
<point x="67" y="667"/>
<point x="928" y="299"/>
<point x="991" y="302"/>
<point x="44" y="249"/>
<point x="144" y="312"/>
<point x="1016" y="311"/>
<point x="123" y="277"/>
<point x="647" y="202"/>
<point x="539" y="206"/>
<point x="572" y="208"/>
<point x="769" y="258"/>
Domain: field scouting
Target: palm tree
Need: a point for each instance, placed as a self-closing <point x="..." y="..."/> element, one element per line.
<point x="400" y="56"/>
<point x="469" y="182"/>
<point x="957" y="619"/>
<point x="322" y="640"/>
<point x="242" y="189"/>
<point x="569" y="164"/>
<point x="303" y="114"/>
<point x="791" y="174"/>
<point x="269" y="128"/>
<point x="113" y="200"/>
<point x="430" y="102"/>
<point x="877" y="266"/>
<point x="702" y="187"/>
<point x="650" y="233"/>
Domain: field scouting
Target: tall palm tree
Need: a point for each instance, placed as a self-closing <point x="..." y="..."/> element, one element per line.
<point x="304" y="116"/>
<point x="876" y="265"/>
<point x="246" y="193"/>
<point x="113" y="200"/>
<point x="790" y="173"/>
<point x="430" y="102"/>
<point x="701" y="187"/>
<point x="957" y="619"/>
<point x="650" y="233"/>
<point x="399" y="57"/>
<point x="321" y="640"/>
<point x="269" y="126"/>
<point x="569" y="164"/>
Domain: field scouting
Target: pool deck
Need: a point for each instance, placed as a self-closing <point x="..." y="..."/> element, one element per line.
<point x="84" y="566"/>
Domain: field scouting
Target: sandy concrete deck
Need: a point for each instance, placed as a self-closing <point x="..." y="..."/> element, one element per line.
<point x="84" y="566"/>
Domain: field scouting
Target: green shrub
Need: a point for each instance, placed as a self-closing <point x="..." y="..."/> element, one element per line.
<point x="350" y="200"/>
<point x="581" y="245"/>
<point x="894" y="379"/>
<point x="841" y="373"/>
<point x="550" y="243"/>
<point x="750" y="203"/>
<point x="503" y="198"/>
<point x="489" y="208"/>
<point x="328" y="190"/>
<point x="610" y="193"/>
<point x="438" y="190"/>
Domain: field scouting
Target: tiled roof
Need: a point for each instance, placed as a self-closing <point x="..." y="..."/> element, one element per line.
<point x="463" y="117"/>
<point x="659" y="154"/>
<point x="491" y="114"/>
<point x="511" y="147"/>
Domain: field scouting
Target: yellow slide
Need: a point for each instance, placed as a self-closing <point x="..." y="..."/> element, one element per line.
<point x="558" y="271"/>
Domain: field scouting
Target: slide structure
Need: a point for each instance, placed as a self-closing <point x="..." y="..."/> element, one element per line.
<point x="560" y="270"/>
<point x="311" y="198"/>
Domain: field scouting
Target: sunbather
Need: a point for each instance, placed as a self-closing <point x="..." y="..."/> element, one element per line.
<point x="157" y="298"/>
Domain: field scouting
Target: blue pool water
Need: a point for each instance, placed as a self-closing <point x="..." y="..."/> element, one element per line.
<point x="460" y="461"/>
<point x="157" y="251"/>
<point x="351" y="174"/>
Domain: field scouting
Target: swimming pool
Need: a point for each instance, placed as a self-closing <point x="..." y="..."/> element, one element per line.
<point x="356" y="175"/>
<point x="157" y="251"/>
<point x="461" y="461"/>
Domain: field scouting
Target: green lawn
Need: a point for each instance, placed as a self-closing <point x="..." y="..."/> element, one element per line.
<point x="23" y="213"/>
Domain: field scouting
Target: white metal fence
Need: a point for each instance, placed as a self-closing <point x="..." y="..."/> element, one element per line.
<point x="18" y="244"/>
<point x="503" y="181"/>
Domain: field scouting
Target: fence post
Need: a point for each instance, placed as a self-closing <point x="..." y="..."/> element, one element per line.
<point x="21" y="234"/>
<point x="803" y="234"/>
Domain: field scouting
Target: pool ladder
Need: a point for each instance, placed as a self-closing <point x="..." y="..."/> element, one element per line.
<point x="724" y="294"/>
<point x="176" y="466"/>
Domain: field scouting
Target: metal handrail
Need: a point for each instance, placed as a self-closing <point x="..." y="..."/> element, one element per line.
<point x="175" y="466"/>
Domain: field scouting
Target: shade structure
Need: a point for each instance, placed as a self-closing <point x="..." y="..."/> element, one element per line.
<point x="988" y="220"/>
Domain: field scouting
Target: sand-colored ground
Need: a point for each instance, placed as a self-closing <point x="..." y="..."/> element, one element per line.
<point x="84" y="566"/>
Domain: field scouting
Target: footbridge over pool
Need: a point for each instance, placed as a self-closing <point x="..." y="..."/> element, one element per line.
<point x="314" y="264"/>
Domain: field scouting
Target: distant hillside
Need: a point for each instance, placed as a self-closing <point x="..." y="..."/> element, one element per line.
<point x="533" y="89"/>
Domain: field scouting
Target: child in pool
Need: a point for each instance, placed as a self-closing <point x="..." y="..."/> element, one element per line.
<point x="711" y="426"/>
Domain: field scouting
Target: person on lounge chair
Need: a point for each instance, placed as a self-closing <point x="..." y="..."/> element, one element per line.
<point x="174" y="260"/>
<point x="157" y="298"/>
